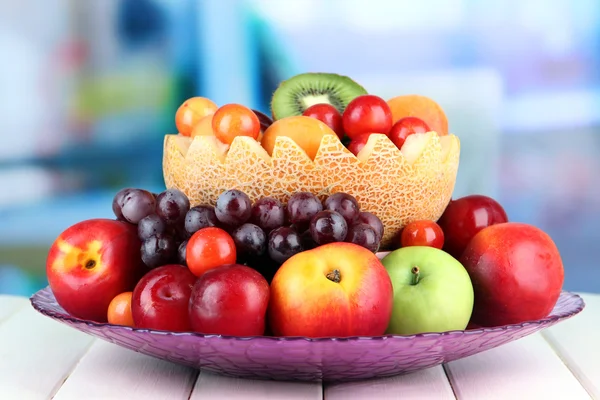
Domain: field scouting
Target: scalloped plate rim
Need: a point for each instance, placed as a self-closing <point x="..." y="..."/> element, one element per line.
<point x="78" y="321"/>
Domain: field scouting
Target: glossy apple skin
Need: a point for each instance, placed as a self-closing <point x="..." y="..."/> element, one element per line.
<point x="305" y="302"/>
<point x="231" y="300"/>
<point x="160" y="299"/>
<point x="463" y="218"/>
<point x="90" y="263"/>
<point x="517" y="274"/>
<point x="440" y="300"/>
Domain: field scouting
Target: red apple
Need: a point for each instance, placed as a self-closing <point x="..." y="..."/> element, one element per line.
<point x="90" y="263"/>
<point x="160" y="299"/>
<point x="516" y="271"/>
<point x="338" y="289"/>
<point x="465" y="217"/>
<point x="230" y="300"/>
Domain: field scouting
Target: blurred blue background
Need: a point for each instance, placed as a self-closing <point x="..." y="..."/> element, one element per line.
<point x="89" y="88"/>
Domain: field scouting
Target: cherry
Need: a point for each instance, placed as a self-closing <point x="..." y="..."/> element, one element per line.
<point x="327" y="114"/>
<point x="357" y="144"/>
<point x="367" y="114"/>
<point x="465" y="217"/>
<point x="422" y="233"/>
<point x="405" y="127"/>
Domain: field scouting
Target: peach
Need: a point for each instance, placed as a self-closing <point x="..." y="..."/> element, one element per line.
<point x="306" y="132"/>
<point x="422" y="107"/>
<point x="335" y="290"/>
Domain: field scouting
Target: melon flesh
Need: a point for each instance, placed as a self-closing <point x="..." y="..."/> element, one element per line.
<point x="399" y="186"/>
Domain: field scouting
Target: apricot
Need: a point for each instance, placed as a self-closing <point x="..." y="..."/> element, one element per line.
<point x="190" y="113"/>
<point x="422" y="107"/>
<point x="306" y="132"/>
<point x="203" y="127"/>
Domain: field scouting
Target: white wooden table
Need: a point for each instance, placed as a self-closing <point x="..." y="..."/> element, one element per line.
<point x="41" y="359"/>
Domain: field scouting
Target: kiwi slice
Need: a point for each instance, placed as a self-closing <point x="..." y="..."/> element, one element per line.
<point x="295" y="95"/>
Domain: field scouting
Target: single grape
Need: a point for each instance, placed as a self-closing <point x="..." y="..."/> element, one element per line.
<point x="301" y="207"/>
<point x="117" y="203"/>
<point x="158" y="250"/>
<point x="328" y="226"/>
<point x="151" y="225"/>
<point x="200" y="217"/>
<point x="284" y="242"/>
<point x="363" y="235"/>
<point x="137" y="204"/>
<point x="344" y="204"/>
<point x="172" y="206"/>
<point x="181" y="253"/>
<point x="268" y="213"/>
<point x="250" y="240"/>
<point x="233" y="207"/>
<point x="371" y="219"/>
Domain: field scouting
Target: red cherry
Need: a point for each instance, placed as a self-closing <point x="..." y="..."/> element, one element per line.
<point x="405" y="127"/>
<point x="367" y="114"/>
<point x="465" y="217"/>
<point x="356" y="145"/>
<point x="422" y="233"/>
<point x="327" y="114"/>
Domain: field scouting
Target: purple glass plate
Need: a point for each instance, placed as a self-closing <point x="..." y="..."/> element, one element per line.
<point x="325" y="359"/>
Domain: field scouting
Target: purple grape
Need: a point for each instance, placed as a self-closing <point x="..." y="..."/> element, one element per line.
<point x="372" y="220"/>
<point x="158" y="250"/>
<point x="137" y="204"/>
<point x="344" y="204"/>
<point x="301" y="207"/>
<point x="172" y="205"/>
<point x="200" y="217"/>
<point x="181" y="253"/>
<point x="151" y="225"/>
<point x="268" y="213"/>
<point x="250" y="240"/>
<point x="327" y="227"/>
<point x="363" y="235"/>
<point x="284" y="242"/>
<point x="118" y="202"/>
<point x="233" y="208"/>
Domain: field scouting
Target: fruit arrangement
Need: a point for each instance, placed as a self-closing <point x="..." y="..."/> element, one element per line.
<point x="276" y="226"/>
<point x="326" y="135"/>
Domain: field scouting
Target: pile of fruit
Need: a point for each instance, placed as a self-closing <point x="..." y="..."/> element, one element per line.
<point x="326" y="135"/>
<point x="279" y="254"/>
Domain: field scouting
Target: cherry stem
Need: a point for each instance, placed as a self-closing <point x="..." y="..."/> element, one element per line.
<point x="334" y="276"/>
<point x="415" y="277"/>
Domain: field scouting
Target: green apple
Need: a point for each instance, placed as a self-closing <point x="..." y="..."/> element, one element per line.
<point x="432" y="291"/>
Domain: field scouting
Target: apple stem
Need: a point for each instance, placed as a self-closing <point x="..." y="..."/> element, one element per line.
<point x="334" y="276"/>
<point x="90" y="264"/>
<point x="415" y="277"/>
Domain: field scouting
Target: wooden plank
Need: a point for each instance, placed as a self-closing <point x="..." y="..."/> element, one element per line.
<point x="211" y="386"/>
<point x="430" y="383"/>
<point x="577" y="344"/>
<point x="525" y="369"/>
<point x="37" y="354"/>
<point x="108" y="371"/>
<point x="10" y="305"/>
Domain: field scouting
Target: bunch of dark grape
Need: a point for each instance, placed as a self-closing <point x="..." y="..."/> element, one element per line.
<point x="266" y="233"/>
<point x="161" y="221"/>
<point x="269" y="227"/>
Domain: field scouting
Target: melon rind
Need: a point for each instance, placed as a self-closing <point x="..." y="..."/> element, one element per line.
<point x="381" y="178"/>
